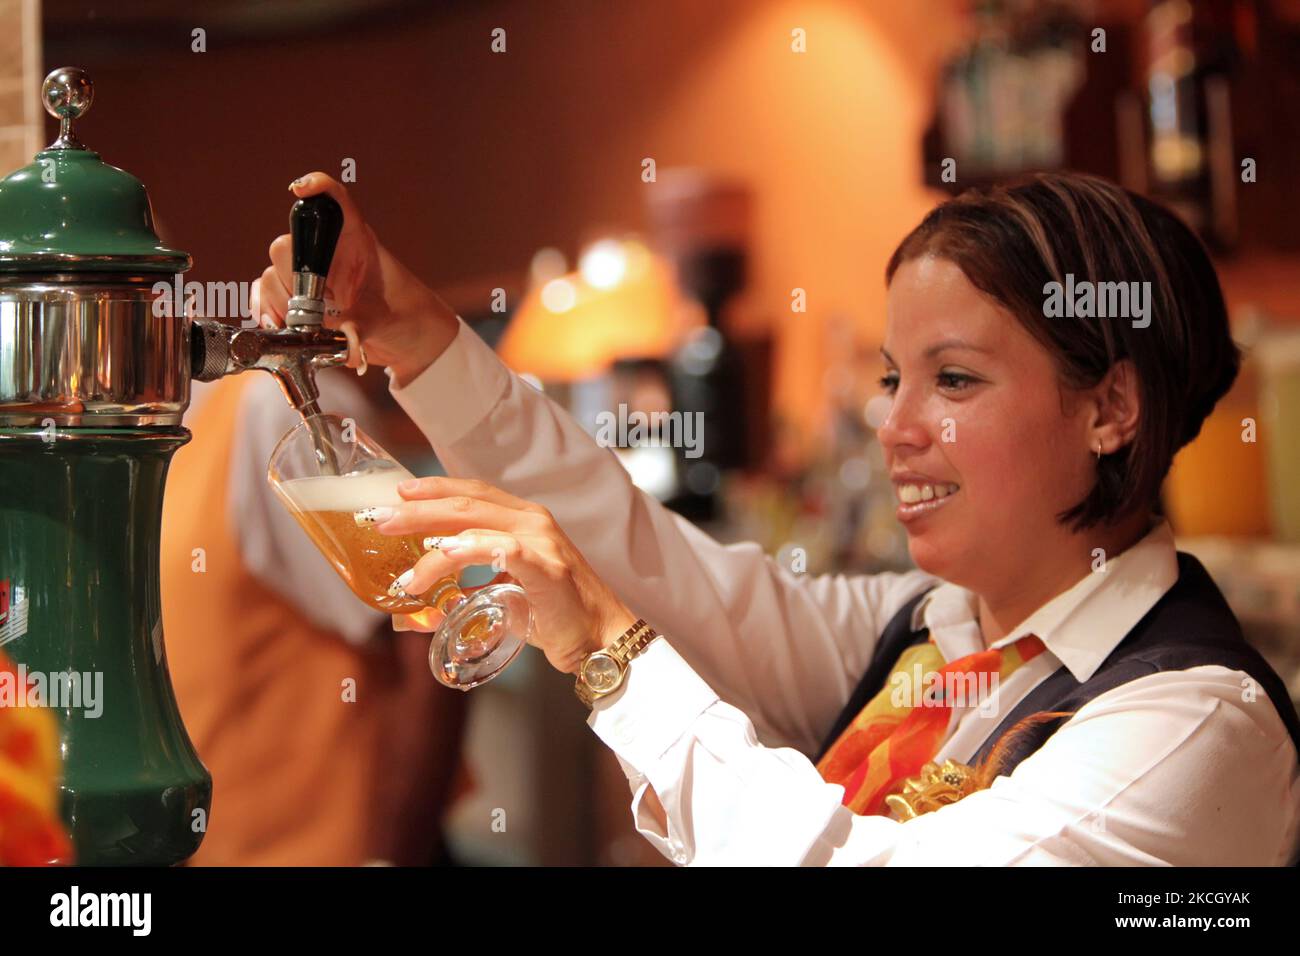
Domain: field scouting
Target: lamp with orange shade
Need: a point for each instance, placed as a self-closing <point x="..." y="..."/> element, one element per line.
<point x="622" y="302"/>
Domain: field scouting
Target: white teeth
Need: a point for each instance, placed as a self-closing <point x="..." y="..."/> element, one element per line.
<point x="911" y="494"/>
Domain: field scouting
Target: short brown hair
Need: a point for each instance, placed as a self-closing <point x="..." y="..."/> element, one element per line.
<point x="1012" y="240"/>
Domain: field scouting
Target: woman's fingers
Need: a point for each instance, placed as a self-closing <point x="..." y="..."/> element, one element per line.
<point x="424" y="489"/>
<point x="281" y="256"/>
<point x="526" y="559"/>
<point x="450" y="515"/>
<point x="269" y="298"/>
<point x="356" y="352"/>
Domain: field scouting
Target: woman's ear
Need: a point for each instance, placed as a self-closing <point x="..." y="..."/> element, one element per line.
<point x="1118" y="407"/>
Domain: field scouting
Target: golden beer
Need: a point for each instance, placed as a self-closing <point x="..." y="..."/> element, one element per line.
<point x="366" y="560"/>
<point x="325" y="470"/>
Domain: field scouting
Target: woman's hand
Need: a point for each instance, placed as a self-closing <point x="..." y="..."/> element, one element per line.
<point x="401" y="322"/>
<point x="574" y="611"/>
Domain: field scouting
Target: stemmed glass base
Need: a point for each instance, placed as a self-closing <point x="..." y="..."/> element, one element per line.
<point x="480" y="636"/>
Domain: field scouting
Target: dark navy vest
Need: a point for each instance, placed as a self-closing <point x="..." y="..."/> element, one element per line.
<point x="1191" y="625"/>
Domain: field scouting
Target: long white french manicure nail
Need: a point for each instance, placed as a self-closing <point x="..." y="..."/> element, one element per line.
<point x="369" y="516"/>
<point x="447" y="543"/>
<point x="398" y="587"/>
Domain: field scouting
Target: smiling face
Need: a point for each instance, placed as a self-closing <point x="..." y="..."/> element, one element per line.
<point x="976" y="404"/>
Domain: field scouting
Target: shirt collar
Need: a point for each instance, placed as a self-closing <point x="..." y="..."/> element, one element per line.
<point x="1081" y="625"/>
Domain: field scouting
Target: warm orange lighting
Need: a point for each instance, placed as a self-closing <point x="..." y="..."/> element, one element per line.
<point x="620" y="303"/>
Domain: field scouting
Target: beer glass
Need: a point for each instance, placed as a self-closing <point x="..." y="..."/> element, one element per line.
<point x="325" y="470"/>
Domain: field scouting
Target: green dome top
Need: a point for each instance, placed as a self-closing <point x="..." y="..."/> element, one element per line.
<point x="71" y="212"/>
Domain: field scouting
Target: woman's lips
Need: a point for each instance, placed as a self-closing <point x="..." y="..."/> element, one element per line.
<point x="916" y="499"/>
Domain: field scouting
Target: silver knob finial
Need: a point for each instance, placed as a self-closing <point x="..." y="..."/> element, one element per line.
<point x="67" y="94"/>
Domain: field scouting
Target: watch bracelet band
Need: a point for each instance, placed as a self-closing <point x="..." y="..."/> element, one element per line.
<point x="632" y="641"/>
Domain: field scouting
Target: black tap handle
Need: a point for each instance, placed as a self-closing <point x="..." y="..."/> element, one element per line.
<point x="315" y="224"/>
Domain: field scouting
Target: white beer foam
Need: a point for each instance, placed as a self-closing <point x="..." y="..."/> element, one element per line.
<point x="346" y="492"/>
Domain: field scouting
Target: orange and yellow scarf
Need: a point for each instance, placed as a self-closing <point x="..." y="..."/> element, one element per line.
<point x="893" y="739"/>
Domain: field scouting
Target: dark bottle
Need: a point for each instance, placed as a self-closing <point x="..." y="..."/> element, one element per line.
<point x="1191" y="51"/>
<point x="708" y="379"/>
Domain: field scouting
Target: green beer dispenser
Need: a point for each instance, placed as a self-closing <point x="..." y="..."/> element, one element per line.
<point x="94" y="379"/>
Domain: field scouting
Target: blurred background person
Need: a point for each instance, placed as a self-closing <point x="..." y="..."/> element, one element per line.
<point x="328" y="740"/>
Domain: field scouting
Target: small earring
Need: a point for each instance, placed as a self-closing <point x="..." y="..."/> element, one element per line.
<point x="1099" y="449"/>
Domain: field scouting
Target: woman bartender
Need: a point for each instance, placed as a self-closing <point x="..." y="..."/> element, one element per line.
<point x="764" y="717"/>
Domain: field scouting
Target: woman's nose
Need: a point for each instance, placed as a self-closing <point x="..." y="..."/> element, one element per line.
<point x="903" y="424"/>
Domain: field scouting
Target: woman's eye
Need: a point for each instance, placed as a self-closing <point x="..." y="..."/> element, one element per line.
<point x="948" y="381"/>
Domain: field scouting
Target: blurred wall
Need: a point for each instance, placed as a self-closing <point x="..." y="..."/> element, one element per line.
<point x="468" y="161"/>
<point x="20" y="82"/>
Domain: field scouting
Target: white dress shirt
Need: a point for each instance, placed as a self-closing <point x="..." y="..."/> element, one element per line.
<point x="1177" y="768"/>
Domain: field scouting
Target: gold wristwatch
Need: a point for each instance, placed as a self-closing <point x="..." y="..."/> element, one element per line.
<point x="602" y="672"/>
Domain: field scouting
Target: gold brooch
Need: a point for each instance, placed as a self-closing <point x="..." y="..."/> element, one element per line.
<point x="936" y="786"/>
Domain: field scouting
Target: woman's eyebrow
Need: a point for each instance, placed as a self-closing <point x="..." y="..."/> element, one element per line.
<point x="940" y="346"/>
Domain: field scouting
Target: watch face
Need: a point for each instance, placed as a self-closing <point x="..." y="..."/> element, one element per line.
<point x="601" y="673"/>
